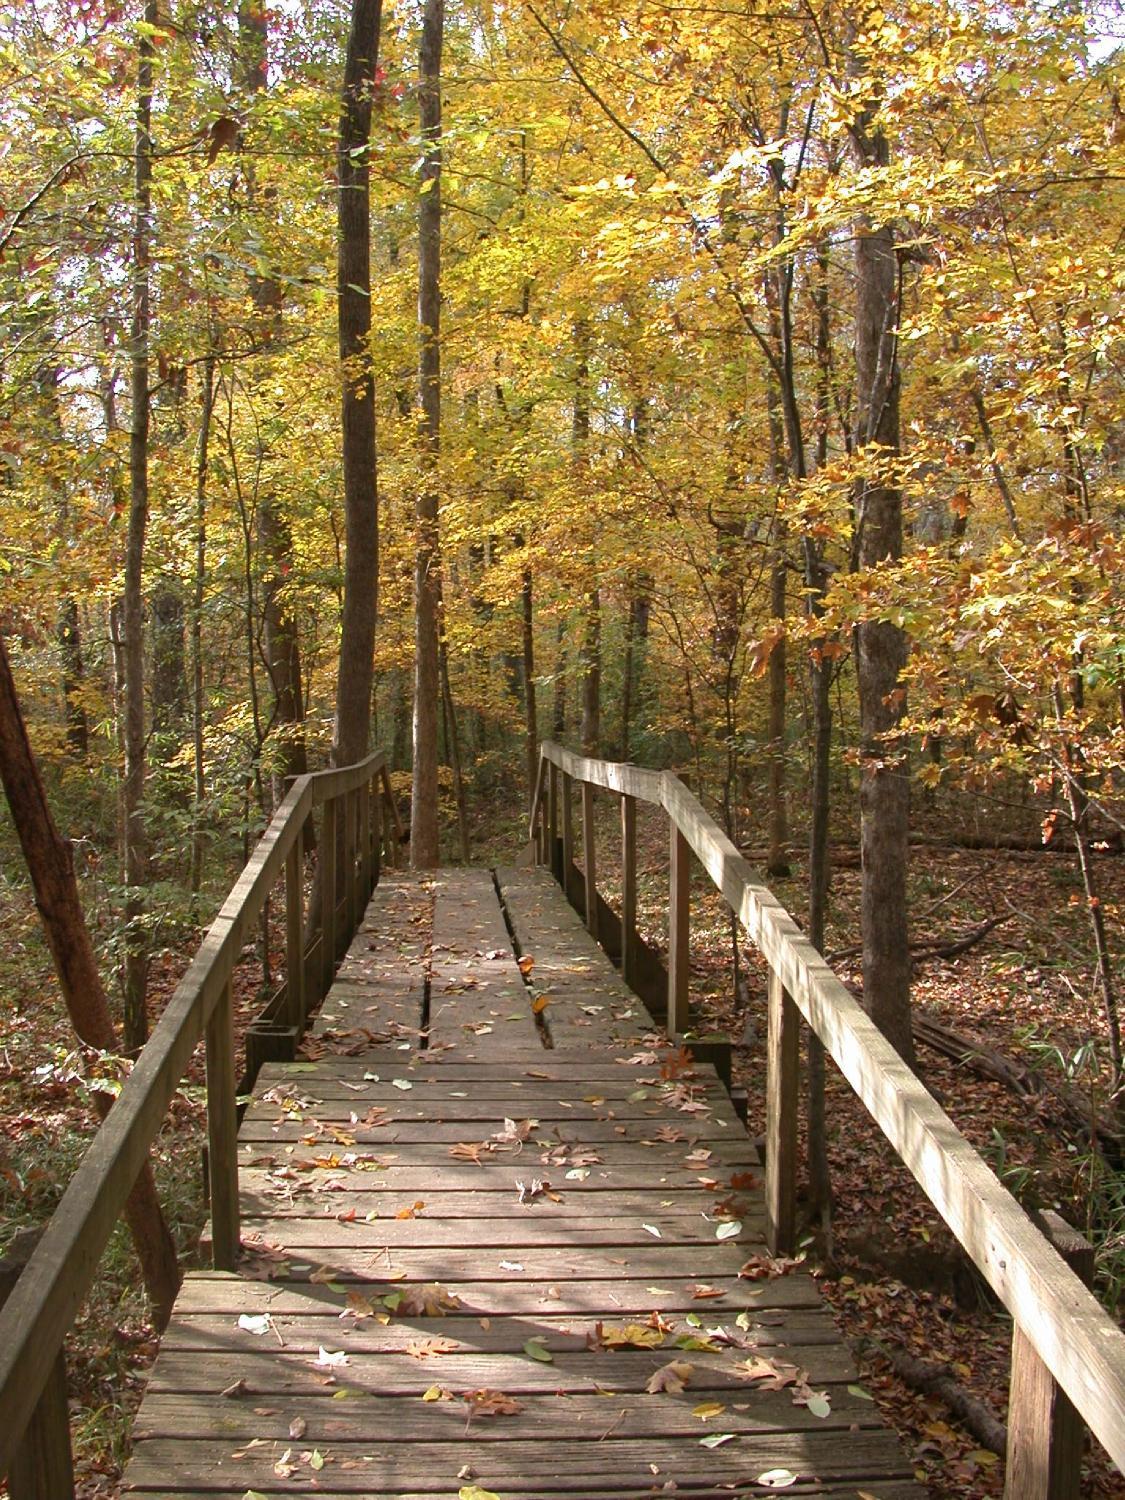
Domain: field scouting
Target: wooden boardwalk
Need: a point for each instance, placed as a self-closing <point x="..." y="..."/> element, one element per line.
<point x="499" y="1251"/>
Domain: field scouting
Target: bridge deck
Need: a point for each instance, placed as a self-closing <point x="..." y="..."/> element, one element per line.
<point x="405" y="1326"/>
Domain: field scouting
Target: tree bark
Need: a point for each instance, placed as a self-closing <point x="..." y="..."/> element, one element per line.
<point x="424" y="833"/>
<point x="51" y="867"/>
<point x="531" y="720"/>
<point x="880" y="645"/>
<point x="202" y="453"/>
<point x="133" y="787"/>
<point x="353" y="287"/>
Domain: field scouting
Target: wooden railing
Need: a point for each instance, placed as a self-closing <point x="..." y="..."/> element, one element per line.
<point x="1068" y="1356"/>
<point x="42" y="1305"/>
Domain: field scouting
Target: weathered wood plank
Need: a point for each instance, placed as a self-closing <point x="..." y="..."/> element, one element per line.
<point x="625" y="1464"/>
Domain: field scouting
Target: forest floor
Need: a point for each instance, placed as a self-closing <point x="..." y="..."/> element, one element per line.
<point x="893" y="1274"/>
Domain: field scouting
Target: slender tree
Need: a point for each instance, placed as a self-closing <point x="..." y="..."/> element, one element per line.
<point x="424" y="841"/>
<point x="133" y="817"/>
<point x="353" y="292"/>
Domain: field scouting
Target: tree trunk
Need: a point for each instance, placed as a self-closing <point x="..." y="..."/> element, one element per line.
<point x="51" y="866"/>
<point x="353" y="288"/>
<point x="424" y="835"/>
<point x="880" y="645"/>
<point x="133" y="818"/>
<point x="207" y="396"/>
<point x="530" y="720"/>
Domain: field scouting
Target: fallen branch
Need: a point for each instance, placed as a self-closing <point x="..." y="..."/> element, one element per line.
<point x="932" y="1378"/>
<point x="926" y="948"/>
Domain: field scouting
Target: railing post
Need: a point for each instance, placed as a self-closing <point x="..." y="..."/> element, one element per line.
<point x="41" y="1467"/>
<point x="351" y="892"/>
<point x="222" y="1134"/>
<point x="679" y="889"/>
<point x="628" y="888"/>
<point x="1045" y="1433"/>
<point x="553" y="822"/>
<point x="295" y="1002"/>
<point x="782" y="1090"/>
<point x="567" y="832"/>
<point x="328" y="856"/>
<point x="389" y="853"/>
<point x="589" y="859"/>
<point x="366" y="854"/>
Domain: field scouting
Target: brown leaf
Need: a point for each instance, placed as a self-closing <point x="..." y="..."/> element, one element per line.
<point x="670" y="1378"/>
<point x="222" y="136"/>
<point x="427" y="1348"/>
<point x="488" y="1403"/>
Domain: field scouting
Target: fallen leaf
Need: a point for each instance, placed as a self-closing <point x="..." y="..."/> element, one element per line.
<point x="708" y="1409"/>
<point x="257" y="1323"/>
<point x="540" y="1004"/>
<point x="717" y="1439"/>
<point x="700" y="1291"/>
<point x="777" y="1479"/>
<point x="670" y="1378"/>
<point x="239" y="1388"/>
<point x="652" y="1229"/>
<point x="536" y="1349"/>
<point x="426" y="1348"/>
<point x="298" y="1427"/>
<point x="487" y="1403"/>
<point x="728" y="1230"/>
<point x="331" y="1359"/>
<point x="526" y="964"/>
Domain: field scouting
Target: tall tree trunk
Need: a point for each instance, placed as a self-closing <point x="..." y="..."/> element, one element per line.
<point x="820" y="695"/>
<point x="777" y="859"/>
<point x="590" y="653"/>
<point x="51" y="867"/>
<point x="68" y="629"/>
<point x="424" y="836"/>
<point x="274" y="540"/>
<point x="531" y="722"/>
<point x="880" y="645"/>
<point x="353" y="290"/>
<point x="207" y="397"/>
<point x="136" y="840"/>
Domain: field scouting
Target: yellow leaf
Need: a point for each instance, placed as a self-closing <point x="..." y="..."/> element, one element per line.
<point x="539" y="1004"/>
<point x="708" y="1409"/>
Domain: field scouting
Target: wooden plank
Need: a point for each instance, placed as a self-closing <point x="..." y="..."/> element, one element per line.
<point x="296" y="1002"/>
<point x="567" y="830"/>
<point x="1045" y="1433"/>
<point x="327" y="853"/>
<point x="276" y="1371"/>
<point x="782" y="1093"/>
<point x="624" y="1465"/>
<point x="877" y="1489"/>
<point x="1065" y="1324"/>
<point x="222" y="1134"/>
<point x="42" y="1467"/>
<point x="679" y="937"/>
<point x="589" y="858"/>
<point x="211" y="1292"/>
<point x="628" y="888"/>
<point x="576" y="1418"/>
<point x="334" y="1326"/>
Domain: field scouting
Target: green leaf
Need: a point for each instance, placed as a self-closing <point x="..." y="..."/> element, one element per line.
<point x="728" y="1230"/>
<point x="474" y="1492"/>
<point x="857" y="1390"/>
<point x="717" y="1439"/>
<point x="819" y="1405"/>
<point x="536" y="1349"/>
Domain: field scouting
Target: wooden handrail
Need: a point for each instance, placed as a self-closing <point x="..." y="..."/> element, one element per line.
<point x="1072" y="1334"/>
<point x="42" y="1306"/>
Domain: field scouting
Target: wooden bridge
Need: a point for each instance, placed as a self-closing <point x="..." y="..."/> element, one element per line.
<point x="489" y="1231"/>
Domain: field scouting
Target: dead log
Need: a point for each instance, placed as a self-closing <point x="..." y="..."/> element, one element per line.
<point x="927" y="948"/>
<point x="933" y="1378"/>
<point x="999" y="1067"/>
